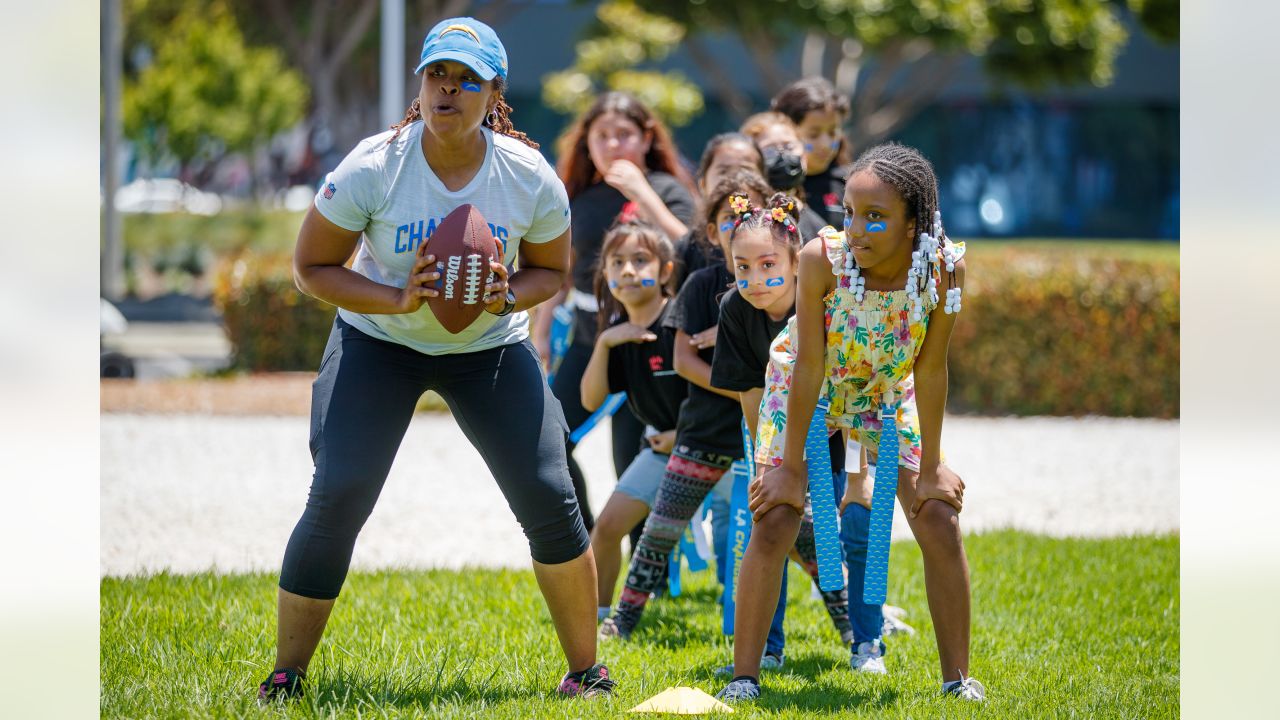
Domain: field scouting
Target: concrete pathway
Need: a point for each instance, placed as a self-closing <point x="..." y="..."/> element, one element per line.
<point x="189" y="492"/>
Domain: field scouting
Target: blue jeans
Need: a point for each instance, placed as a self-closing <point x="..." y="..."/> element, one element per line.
<point x="777" y="639"/>
<point x="867" y="620"/>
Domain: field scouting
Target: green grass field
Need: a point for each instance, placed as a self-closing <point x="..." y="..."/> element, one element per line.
<point x="1062" y="628"/>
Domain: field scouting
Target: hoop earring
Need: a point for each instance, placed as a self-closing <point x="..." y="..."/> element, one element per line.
<point x="491" y="119"/>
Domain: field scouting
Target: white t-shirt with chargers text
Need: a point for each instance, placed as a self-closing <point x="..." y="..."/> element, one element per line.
<point x="388" y="192"/>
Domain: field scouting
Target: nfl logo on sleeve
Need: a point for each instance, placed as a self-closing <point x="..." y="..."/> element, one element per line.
<point x="329" y="190"/>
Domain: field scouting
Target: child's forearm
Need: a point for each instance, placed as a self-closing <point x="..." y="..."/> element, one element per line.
<point x="693" y="368"/>
<point x="750" y="400"/>
<point x="595" y="379"/>
<point x="931" y="402"/>
<point x="656" y="212"/>
<point x="542" y="318"/>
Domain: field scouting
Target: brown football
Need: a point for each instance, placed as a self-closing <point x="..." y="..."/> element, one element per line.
<point x="463" y="246"/>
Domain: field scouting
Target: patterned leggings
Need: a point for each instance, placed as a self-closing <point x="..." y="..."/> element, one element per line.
<point x="689" y="478"/>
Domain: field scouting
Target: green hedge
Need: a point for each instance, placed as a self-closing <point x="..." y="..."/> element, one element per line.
<point x="271" y="325"/>
<point x="181" y="247"/>
<point x="1047" y="328"/>
<point x="1070" y="330"/>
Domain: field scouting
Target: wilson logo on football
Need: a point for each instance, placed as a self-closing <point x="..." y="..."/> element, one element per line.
<point x="465" y="245"/>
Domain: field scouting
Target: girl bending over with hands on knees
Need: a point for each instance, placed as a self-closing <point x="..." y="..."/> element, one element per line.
<point x="869" y="332"/>
<point x="633" y="354"/>
<point x="764" y="264"/>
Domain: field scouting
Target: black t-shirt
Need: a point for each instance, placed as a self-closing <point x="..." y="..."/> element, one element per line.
<point x="810" y="223"/>
<point x="824" y="193"/>
<point x="742" y="344"/>
<point x="646" y="373"/>
<point x="742" y="354"/>
<point x="692" y="254"/>
<point x="593" y="211"/>
<point x="708" y="421"/>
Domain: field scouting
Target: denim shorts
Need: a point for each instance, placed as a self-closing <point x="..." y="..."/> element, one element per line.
<point x="643" y="476"/>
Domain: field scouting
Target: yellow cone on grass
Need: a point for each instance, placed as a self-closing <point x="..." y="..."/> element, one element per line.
<point x="681" y="701"/>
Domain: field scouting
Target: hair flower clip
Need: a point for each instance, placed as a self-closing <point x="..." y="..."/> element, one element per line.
<point x="779" y="214"/>
<point x="739" y="204"/>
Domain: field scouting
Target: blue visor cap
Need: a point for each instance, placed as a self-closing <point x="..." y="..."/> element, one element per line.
<point x="468" y="41"/>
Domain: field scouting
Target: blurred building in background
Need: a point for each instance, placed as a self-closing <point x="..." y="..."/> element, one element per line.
<point x="1075" y="161"/>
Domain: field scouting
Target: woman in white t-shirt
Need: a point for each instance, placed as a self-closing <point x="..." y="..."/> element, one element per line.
<point x="456" y="145"/>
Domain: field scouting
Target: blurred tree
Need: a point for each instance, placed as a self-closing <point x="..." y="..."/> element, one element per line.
<point x="894" y="56"/>
<point x="335" y="44"/>
<point x="197" y="90"/>
<point x="623" y="37"/>
<point x="1158" y="17"/>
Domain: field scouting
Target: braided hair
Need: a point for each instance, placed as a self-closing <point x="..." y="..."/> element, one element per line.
<point x="910" y="174"/>
<point x="498" y="121"/>
<point x="780" y="215"/>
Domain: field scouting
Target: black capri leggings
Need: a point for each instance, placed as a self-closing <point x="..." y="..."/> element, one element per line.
<point x="361" y="405"/>
<point x="627" y="430"/>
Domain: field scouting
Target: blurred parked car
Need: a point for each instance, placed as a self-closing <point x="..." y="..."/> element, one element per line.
<point x="114" y="364"/>
<point x="165" y="195"/>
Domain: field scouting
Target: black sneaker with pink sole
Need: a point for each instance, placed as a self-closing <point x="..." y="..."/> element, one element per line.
<point x="592" y="682"/>
<point x="282" y="684"/>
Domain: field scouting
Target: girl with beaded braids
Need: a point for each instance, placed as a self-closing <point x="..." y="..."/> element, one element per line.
<point x="383" y="202"/>
<point x="869" y="334"/>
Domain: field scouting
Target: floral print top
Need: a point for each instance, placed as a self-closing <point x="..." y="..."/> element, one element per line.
<point x="871" y="349"/>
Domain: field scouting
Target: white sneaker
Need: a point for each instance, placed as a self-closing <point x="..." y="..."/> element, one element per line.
<point x="868" y="657"/>
<point x="895" y="626"/>
<point x="966" y="689"/>
<point x="610" y="629"/>
<point x="742" y="690"/>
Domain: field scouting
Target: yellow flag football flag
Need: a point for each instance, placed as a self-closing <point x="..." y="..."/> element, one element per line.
<point x="682" y="701"/>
